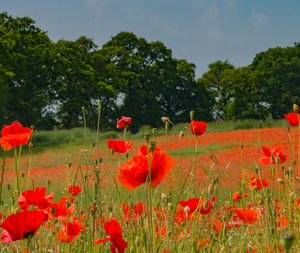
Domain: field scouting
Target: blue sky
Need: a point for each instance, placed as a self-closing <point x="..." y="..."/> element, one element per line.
<point x="200" y="31"/>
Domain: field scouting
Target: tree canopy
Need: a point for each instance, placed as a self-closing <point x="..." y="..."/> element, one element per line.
<point x="46" y="83"/>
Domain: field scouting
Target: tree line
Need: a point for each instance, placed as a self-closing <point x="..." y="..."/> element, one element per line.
<point x="46" y="83"/>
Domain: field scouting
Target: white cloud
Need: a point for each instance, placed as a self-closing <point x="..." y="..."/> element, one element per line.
<point x="259" y="19"/>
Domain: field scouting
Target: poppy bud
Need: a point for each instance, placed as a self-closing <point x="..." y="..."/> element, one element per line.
<point x="287" y="241"/>
<point x="192" y="115"/>
<point x="280" y="181"/>
<point x="165" y="119"/>
<point x="164" y="197"/>
<point x="272" y="158"/>
<point x="112" y="151"/>
<point x="30" y="145"/>
<point x="147" y="137"/>
<point x="186" y="209"/>
<point x="206" y="205"/>
<point x="126" y="155"/>
<point x="296" y="108"/>
<point x="181" y="134"/>
<point x="137" y="241"/>
<point x="210" y="189"/>
<point x="215" y="181"/>
<point x="154" y="131"/>
<point x="152" y="146"/>
<point x="52" y="210"/>
<point x="277" y="160"/>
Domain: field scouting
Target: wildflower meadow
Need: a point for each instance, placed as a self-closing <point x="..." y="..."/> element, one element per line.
<point x="168" y="191"/>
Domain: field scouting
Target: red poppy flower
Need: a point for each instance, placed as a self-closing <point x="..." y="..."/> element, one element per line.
<point x="292" y="118"/>
<point x="198" y="127"/>
<point x="236" y="196"/>
<point x="249" y="216"/>
<point x="113" y="229"/>
<point x="123" y="122"/>
<point x="270" y="157"/>
<point x="195" y="203"/>
<point x="35" y="197"/>
<point x="70" y="231"/>
<point x="60" y="209"/>
<point x="14" y="135"/>
<point x="135" y="171"/>
<point x="75" y="190"/>
<point x="22" y="224"/>
<point x="119" y="145"/>
<point x="256" y="182"/>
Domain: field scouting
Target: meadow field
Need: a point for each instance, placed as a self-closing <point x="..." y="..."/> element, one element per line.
<point x="224" y="187"/>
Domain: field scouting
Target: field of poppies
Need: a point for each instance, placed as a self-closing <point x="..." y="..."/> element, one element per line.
<point x="191" y="191"/>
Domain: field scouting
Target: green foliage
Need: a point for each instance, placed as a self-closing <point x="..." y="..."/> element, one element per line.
<point x="45" y="84"/>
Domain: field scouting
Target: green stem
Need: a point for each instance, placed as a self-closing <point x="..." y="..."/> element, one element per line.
<point x="84" y="125"/>
<point x="2" y="174"/>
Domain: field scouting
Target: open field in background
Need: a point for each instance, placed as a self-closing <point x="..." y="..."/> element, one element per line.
<point x="61" y="159"/>
<point x="66" y="146"/>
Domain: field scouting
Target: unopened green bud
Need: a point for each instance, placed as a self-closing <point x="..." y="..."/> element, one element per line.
<point x="154" y="131"/>
<point x="210" y="189"/>
<point x="192" y="115"/>
<point x="147" y="137"/>
<point x="152" y="146"/>
<point x="277" y="160"/>
<point x="296" y="108"/>
<point x="181" y="134"/>
<point x="272" y="157"/>
<point x="280" y="181"/>
<point x="112" y="151"/>
<point x="287" y="241"/>
<point x="206" y="204"/>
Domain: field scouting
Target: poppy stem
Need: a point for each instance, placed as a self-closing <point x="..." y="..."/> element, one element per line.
<point x="298" y="145"/>
<point x="29" y="166"/>
<point x="2" y="174"/>
<point x="84" y="125"/>
<point x="195" y="155"/>
<point x="150" y="217"/>
<point x="17" y="165"/>
<point x="124" y="133"/>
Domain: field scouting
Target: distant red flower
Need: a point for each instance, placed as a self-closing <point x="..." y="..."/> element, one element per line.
<point x="70" y="231"/>
<point x="22" y="224"/>
<point x="236" y="196"/>
<point x="114" y="230"/>
<point x="119" y="145"/>
<point x="133" y="213"/>
<point x="292" y="118"/>
<point x="256" y="182"/>
<point x="75" y="190"/>
<point x="195" y="203"/>
<point x="135" y="171"/>
<point x="270" y="156"/>
<point x="35" y="197"/>
<point x="249" y="216"/>
<point x="198" y="127"/>
<point x="123" y="122"/>
<point x="14" y="135"/>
